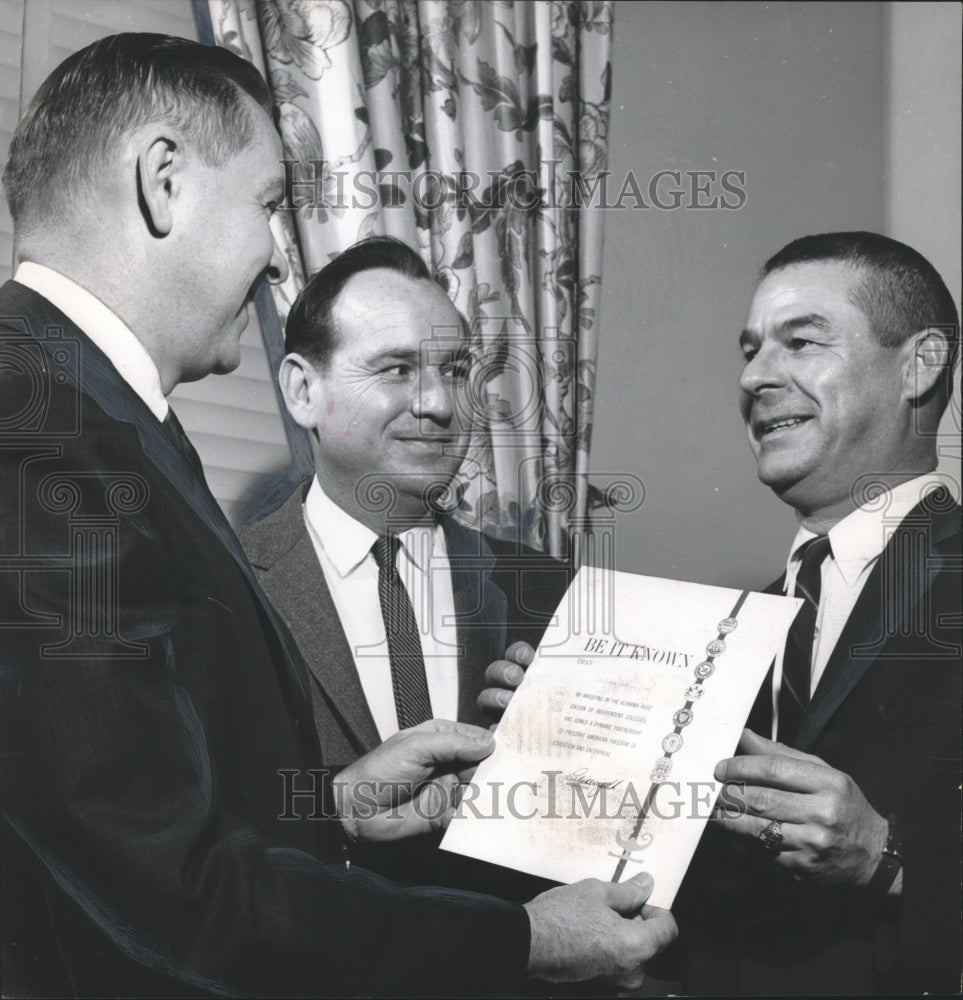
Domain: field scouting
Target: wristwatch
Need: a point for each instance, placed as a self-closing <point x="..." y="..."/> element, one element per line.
<point x="890" y="862"/>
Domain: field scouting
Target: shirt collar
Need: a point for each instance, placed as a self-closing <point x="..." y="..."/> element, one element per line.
<point x="347" y="542"/>
<point x="104" y="327"/>
<point x="861" y="536"/>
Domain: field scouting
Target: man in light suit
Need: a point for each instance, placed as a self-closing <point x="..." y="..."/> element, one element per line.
<point x="837" y="868"/>
<point x="377" y="371"/>
<point x="166" y="829"/>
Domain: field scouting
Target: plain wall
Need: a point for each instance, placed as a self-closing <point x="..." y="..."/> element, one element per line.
<point x="796" y="96"/>
<point x="924" y="95"/>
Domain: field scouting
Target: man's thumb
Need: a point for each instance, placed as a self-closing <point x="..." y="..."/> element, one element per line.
<point x="629" y="896"/>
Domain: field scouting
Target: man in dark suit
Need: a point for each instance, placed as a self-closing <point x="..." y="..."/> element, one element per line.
<point x="835" y="867"/>
<point x="159" y="768"/>
<point x="377" y="371"/>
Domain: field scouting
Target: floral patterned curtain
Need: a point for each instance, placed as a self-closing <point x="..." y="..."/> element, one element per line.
<point x="475" y="130"/>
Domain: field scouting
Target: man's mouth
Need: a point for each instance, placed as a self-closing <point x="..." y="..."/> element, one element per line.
<point x="429" y="442"/>
<point x="763" y="428"/>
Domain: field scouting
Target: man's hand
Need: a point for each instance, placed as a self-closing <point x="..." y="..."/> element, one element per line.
<point x="503" y="676"/>
<point x="830" y="833"/>
<point x="409" y="784"/>
<point x="597" y="930"/>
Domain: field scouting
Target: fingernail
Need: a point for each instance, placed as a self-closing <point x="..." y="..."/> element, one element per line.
<point x="515" y="675"/>
<point x="504" y="697"/>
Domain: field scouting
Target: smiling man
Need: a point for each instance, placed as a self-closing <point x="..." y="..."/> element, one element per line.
<point x="837" y="869"/>
<point x="378" y="372"/>
<point x="152" y="704"/>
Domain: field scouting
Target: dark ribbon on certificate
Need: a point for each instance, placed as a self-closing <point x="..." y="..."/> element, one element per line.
<point x="673" y="741"/>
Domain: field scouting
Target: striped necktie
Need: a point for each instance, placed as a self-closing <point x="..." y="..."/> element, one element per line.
<point x="408" y="679"/>
<point x="797" y="661"/>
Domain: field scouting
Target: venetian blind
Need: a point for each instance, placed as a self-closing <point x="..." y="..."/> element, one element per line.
<point x="233" y="420"/>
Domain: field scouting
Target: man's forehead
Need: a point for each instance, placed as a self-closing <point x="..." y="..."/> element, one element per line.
<point x="392" y="283"/>
<point x="816" y="277"/>
<point x="266" y="150"/>
<point x="818" y="287"/>
<point x="383" y="300"/>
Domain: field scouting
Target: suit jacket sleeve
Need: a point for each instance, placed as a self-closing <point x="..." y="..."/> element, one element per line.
<point x="924" y="791"/>
<point x="141" y="749"/>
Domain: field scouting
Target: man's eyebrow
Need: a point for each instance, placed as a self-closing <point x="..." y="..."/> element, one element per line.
<point x="394" y="354"/>
<point x="809" y="320"/>
<point x="274" y="188"/>
<point x="783" y="329"/>
<point x="448" y="354"/>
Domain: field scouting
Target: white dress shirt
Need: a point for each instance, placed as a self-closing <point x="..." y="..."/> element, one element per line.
<point x="104" y="327"/>
<point x="343" y="546"/>
<point x="857" y="542"/>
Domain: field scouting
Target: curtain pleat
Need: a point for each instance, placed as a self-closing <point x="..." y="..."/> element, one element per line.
<point x="469" y="129"/>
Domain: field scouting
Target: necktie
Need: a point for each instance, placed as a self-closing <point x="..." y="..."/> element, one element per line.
<point x="176" y="430"/>
<point x="797" y="662"/>
<point x="408" y="680"/>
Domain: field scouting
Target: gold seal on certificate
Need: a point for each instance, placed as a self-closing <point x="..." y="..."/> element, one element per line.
<point x="604" y="759"/>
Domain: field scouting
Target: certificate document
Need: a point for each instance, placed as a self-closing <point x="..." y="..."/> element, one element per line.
<point x="603" y="765"/>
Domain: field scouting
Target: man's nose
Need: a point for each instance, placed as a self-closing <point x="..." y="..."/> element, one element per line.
<point x="433" y="397"/>
<point x="277" y="270"/>
<point x="762" y="371"/>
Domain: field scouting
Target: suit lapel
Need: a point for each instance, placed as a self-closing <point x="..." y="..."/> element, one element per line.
<point x="481" y="610"/>
<point x="895" y="587"/>
<point x="294" y="576"/>
<point x="99" y="380"/>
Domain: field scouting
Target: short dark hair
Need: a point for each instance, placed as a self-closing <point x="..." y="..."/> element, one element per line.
<point x="310" y="329"/>
<point x="118" y="83"/>
<point x="898" y="289"/>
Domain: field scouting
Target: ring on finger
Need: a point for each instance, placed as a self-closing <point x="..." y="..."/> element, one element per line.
<point x="771" y="836"/>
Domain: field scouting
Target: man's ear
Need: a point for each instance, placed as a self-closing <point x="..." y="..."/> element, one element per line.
<point x="157" y="165"/>
<point x="927" y="354"/>
<point x="302" y="389"/>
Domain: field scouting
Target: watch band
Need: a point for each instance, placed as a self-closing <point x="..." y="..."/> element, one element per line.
<point x="890" y="862"/>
